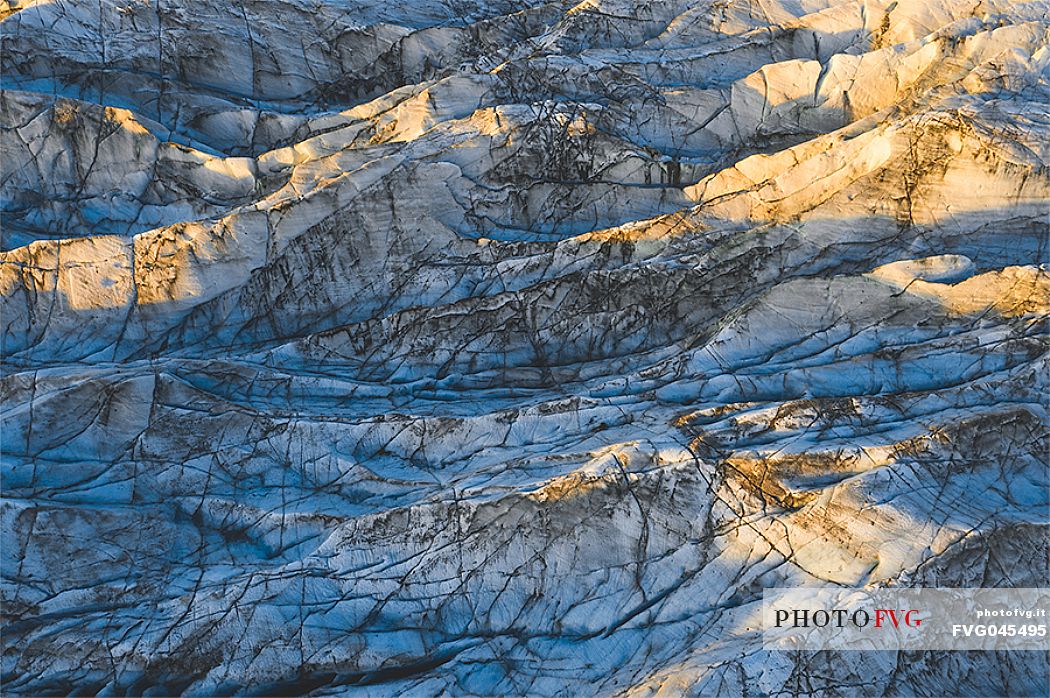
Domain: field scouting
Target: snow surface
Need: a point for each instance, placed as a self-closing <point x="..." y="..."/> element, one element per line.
<point x="513" y="348"/>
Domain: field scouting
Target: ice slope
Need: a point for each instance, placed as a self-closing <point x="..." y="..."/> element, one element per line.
<point x="513" y="348"/>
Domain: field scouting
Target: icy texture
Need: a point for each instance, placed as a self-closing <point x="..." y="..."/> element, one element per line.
<point x="499" y="347"/>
